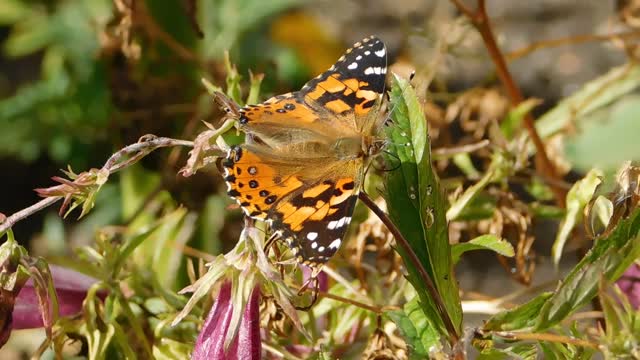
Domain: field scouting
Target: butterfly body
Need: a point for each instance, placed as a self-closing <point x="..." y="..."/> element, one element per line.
<point x="305" y="153"/>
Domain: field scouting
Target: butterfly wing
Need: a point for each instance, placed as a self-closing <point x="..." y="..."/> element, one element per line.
<point x="311" y="213"/>
<point x="353" y="85"/>
<point x="336" y="102"/>
<point x="286" y="172"/>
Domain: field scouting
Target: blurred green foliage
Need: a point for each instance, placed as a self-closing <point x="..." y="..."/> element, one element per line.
<point x="84" y="94"/>
<point x="86" y="77"/>
<point x="66" y="106"/>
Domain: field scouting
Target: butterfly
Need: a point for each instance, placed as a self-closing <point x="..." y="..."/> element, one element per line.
<point x="305" y="153"/>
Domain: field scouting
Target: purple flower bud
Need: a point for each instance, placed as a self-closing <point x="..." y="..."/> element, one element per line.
<point x="71" y="289"/>
<point x="246" y="343"/>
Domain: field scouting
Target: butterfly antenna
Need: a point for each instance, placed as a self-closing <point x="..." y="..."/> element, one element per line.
<point x="385" y="169"/>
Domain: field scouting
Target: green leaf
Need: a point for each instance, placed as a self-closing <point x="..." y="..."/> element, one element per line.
<point x="168" y="349"/>
<point x="12" y="11"/>
<point x="513" y="121"/>
<point x="230" y="19"/>
<point x="592" y="96"/>
<point x="500" y="167"/>
<point x="419" y="333"/>
<point x="621" y="334"/>
<point x="98" y="331"/>
<point x="590" y="145"/>
<point x="542" y="211"/>
<point x="212" y="219"/>
<point x="160" y="254"/>
<point x="135" y="185"/>
<point x="417" y="205"/>
<point x="519" y="351"/>
<point x="577" y="198"/>
<point x="519" y="318"/>
<point x="608" y="259"/>
<point x="483" y="242"/>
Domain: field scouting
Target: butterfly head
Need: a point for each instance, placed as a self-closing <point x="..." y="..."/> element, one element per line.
<point x="374" y="146"/>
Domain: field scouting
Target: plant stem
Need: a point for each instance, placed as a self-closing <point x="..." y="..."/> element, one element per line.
<point x="137" y="151"/>
<point x="26" y="212"/>
<point x="544" y="337"/>
<point x="143" y="147"/>
<point x="480" y="21"/>
<point x="570" y="40"/>
<point x="401" y="241"/>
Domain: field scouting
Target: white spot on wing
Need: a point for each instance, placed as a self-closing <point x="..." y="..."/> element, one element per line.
<point x="380" y="52"/>
<point x="359" y="57"/>
<point x="374" y="70"/>
<point x="312" y="236"/>
<point x="321" y="249"/>
<point x="367" y="52"/>
<point x="314" y="245"/>
<point x="338" y="223"/>
<point x="353" y="66"/>
<point x="335" y="244"/>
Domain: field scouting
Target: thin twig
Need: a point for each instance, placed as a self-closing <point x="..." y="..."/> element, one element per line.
<point x="467" y="11"/>
<point x="147" y="144"/>
<point x="431" y="288"/>
<point x="25" y="213"/>
<point x="140" y="149"/>
<point x="148" y="23"/>
<point x="569" y="40"/>
<point x="480" y="21"/>
<point x="455" y="150"/>
<point x="544" y="337"/>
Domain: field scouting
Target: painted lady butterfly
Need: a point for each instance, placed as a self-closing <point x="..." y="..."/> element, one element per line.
<point x="305" y="153"/>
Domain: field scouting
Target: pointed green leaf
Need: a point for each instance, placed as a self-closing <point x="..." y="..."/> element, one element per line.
<point x="416" y="203"/>
<point x="608" y="259"/>
<point x="483" y="242"/>
<point x="519" y="318"/>
<point x="417" y="330"/>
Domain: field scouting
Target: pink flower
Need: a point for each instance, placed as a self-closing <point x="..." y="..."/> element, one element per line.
<point x="629" y="283"/>
<point x="71" y="288"/>
<point x="28" y="304"/>
<point x="245" y="344"/>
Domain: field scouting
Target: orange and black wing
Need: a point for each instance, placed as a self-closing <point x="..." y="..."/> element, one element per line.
<point x="312" y="216"/>
<point x="338" y="100"/>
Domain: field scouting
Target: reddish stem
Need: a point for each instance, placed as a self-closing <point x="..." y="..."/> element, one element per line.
<point x="480" y="21"/>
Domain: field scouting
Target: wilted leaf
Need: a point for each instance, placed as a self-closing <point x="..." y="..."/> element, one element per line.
<point x="577" y="198"/>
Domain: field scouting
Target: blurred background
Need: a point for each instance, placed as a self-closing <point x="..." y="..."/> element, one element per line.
<point x="81" y="79"/>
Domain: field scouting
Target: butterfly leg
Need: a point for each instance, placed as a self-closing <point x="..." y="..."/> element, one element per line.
<point x="314" y="294"/>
